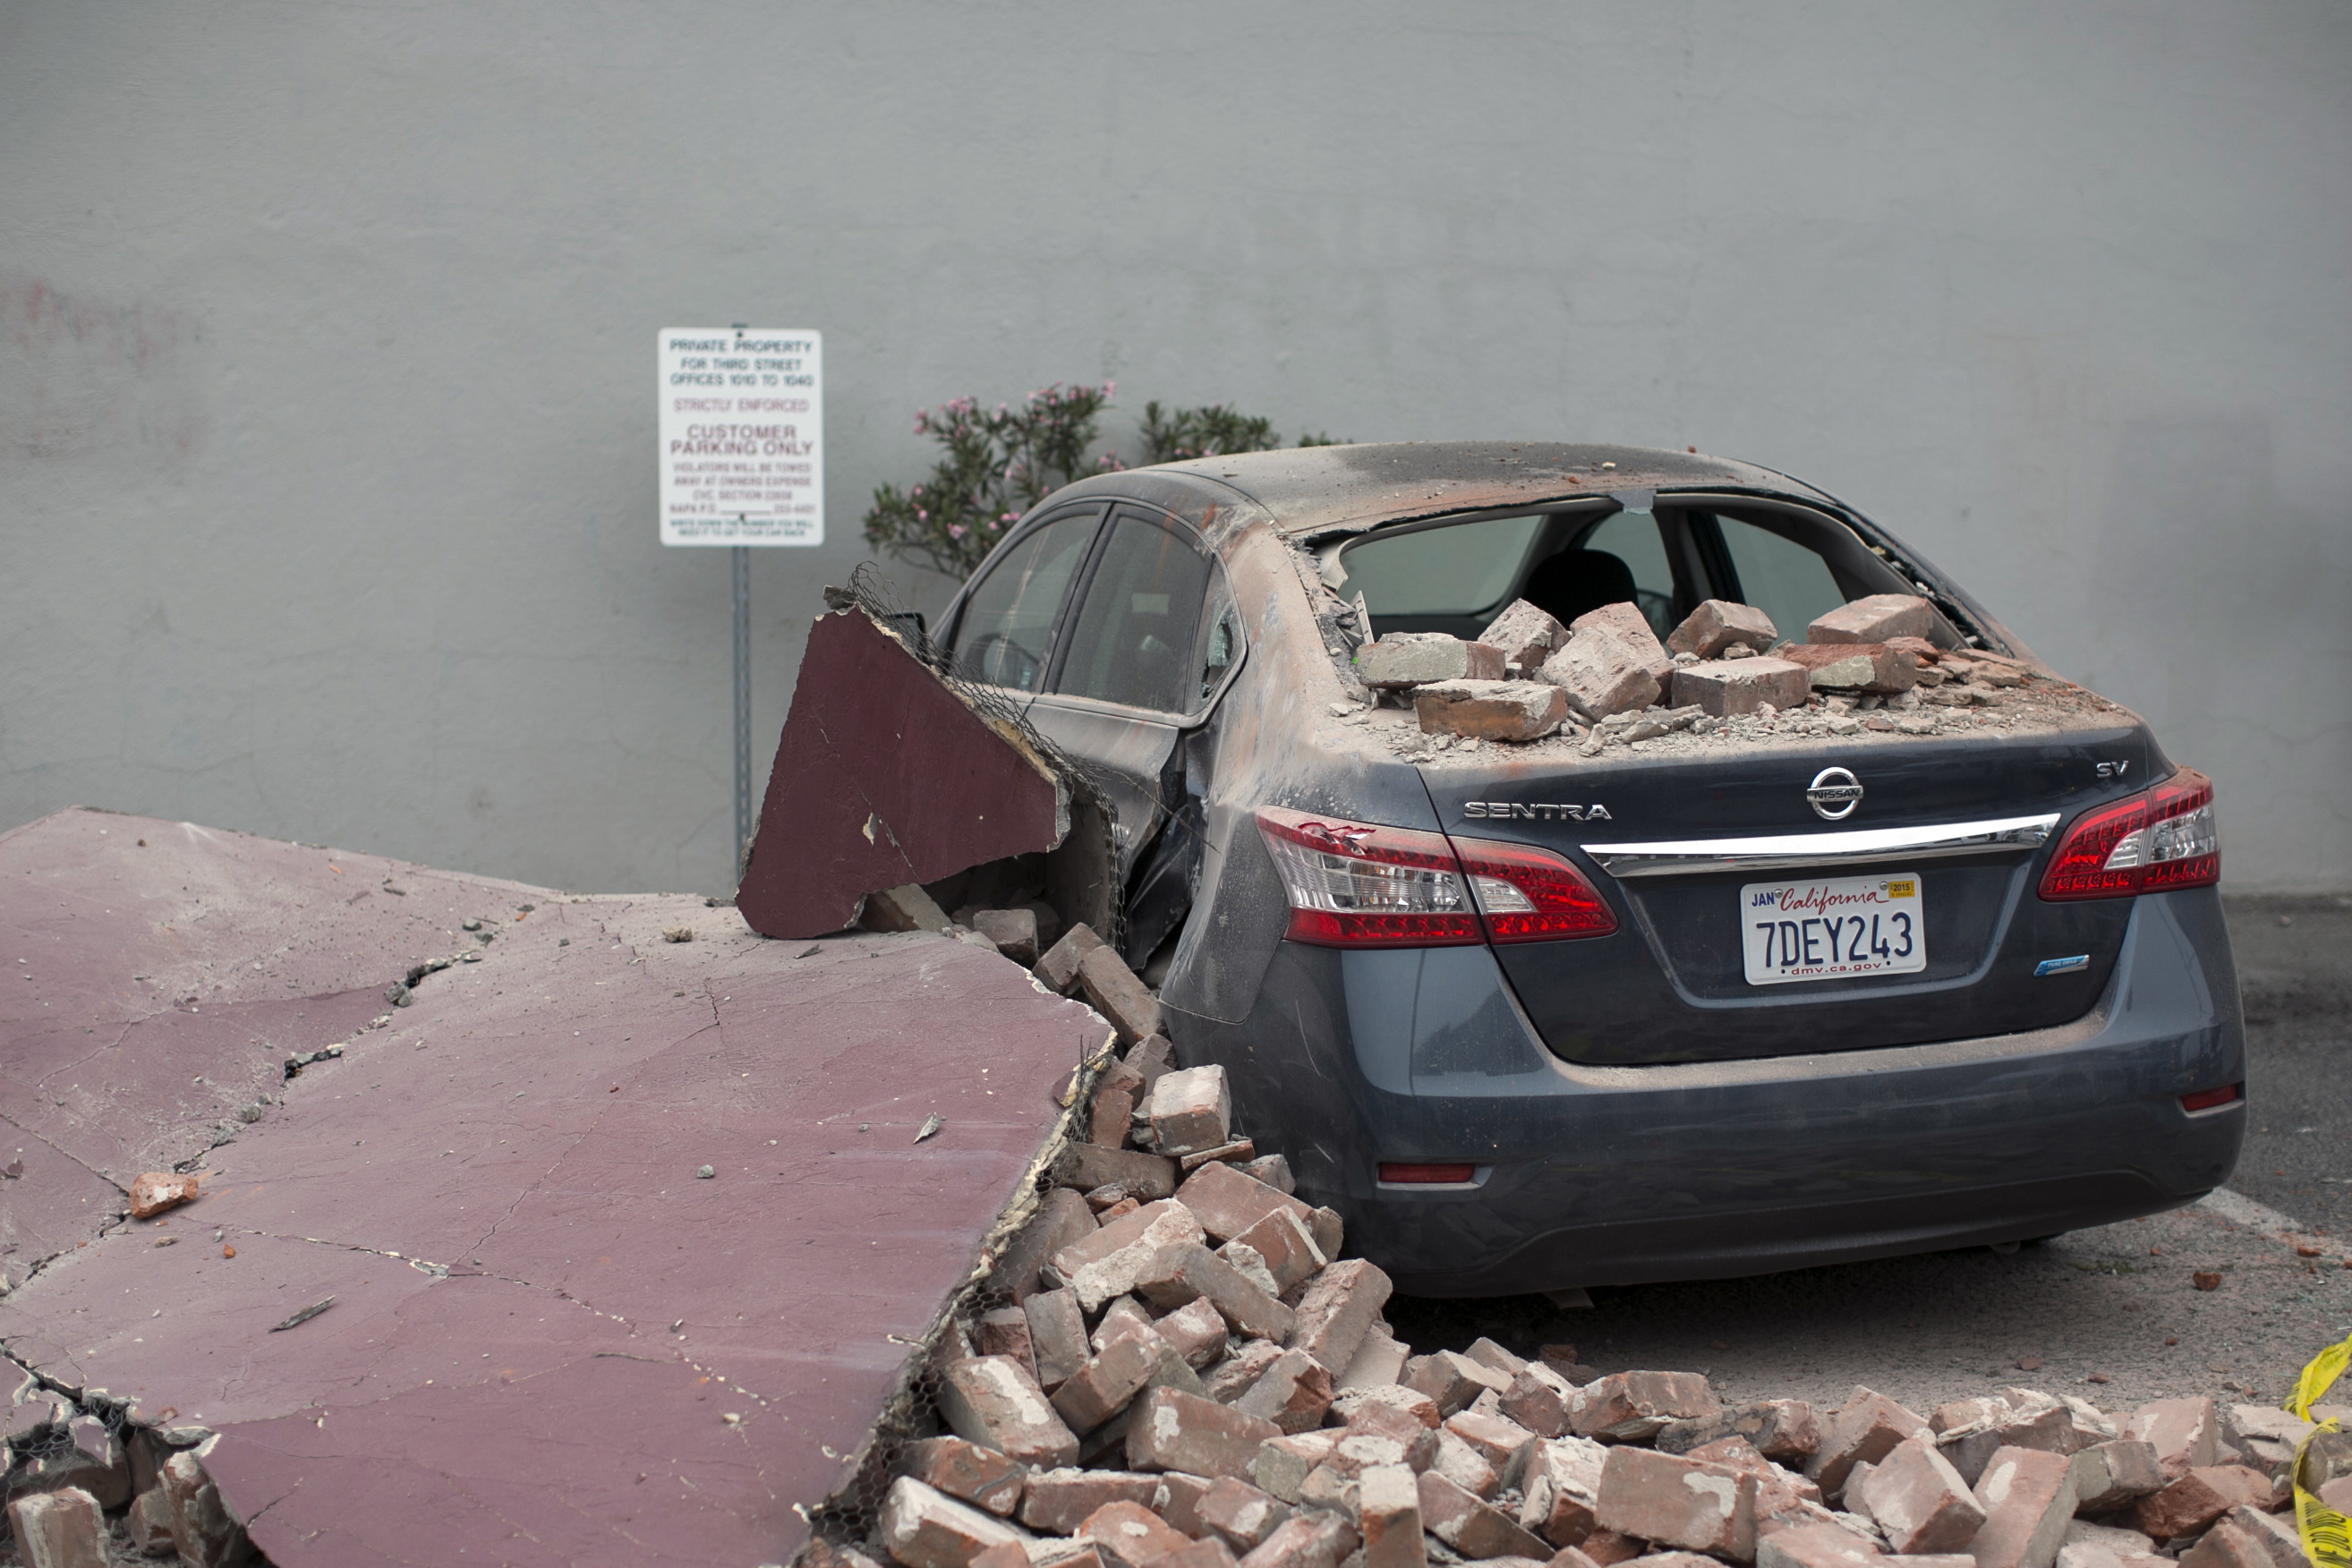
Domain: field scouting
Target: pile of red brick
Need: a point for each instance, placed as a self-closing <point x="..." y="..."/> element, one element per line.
<point x="1186" y="1373"/>
<point x="1527" y="675"/>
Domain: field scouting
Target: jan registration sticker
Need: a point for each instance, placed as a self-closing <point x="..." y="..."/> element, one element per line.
<point x="1833" y="929"/>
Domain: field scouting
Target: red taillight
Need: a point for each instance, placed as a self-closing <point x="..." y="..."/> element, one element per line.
<point x="1530" y="895"/>
<point x="1353" y="884"/>
<point x="1424" y="1175"/>
<point x="2207" y="1098"/>
<point x="2158" y="839"/>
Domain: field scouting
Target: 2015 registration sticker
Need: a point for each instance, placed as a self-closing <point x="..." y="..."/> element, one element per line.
<point x="1833" y="929"/>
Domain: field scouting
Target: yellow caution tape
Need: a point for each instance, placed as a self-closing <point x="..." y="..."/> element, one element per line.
<point x="2326" y="1535"/>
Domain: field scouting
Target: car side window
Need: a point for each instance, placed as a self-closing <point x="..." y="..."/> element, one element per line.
<point x="1006" y="630"/>
<point x="1780" y="577"/>
<point x="1221" y="642"/>
<point x="1132" y="639"/>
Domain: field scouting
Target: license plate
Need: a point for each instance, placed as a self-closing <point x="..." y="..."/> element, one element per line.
<point x="1832" y="929"/>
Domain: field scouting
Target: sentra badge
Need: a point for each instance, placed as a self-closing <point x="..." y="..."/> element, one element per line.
<point x="1535" y="810"/>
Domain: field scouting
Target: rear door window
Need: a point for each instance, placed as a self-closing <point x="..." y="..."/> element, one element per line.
<point x="1006" y="630"/>
<point x="1132" y="641"/>
<point x="1787" y="581"/>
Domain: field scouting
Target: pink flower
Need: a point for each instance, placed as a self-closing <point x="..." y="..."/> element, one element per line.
<point x="922" y="516"/>
<point x="955" y="530"/>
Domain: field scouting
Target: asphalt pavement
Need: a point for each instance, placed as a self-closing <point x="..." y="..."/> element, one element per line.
<point x="2111" y="1314"/>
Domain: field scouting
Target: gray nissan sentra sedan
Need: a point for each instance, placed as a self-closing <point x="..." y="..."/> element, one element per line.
<point x="1559" y="1014"/>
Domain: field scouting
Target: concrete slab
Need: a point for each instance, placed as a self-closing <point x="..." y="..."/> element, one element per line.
<point x="550" y="1342"/>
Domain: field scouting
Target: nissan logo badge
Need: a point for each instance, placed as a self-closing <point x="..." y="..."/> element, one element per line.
<point x="1833" y="793"/>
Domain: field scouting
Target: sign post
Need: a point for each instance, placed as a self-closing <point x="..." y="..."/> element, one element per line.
<point x="742" y="464"/>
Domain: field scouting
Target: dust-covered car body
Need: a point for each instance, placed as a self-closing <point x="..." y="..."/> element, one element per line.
<point x="1500" y="1115"/>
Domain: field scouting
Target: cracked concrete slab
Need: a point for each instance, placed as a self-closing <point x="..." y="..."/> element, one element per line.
<point x="552" y="1340"/>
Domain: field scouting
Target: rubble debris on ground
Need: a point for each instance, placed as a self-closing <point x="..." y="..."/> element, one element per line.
<point x="1724" y="677"/>
<point x="504" y="1182"/>
<point x="1175" y="1366"/>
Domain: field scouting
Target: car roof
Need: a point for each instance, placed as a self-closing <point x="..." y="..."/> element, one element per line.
<point x="1335" y="490"/>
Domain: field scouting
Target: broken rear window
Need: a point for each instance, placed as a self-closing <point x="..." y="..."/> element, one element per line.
<point x="1463" y="569"/>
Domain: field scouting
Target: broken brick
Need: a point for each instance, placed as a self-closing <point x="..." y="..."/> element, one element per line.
<point x="1727" y="688"/>
<point x="1113" y="1376"/>
<point x="2046" y="1426"/>
<point x="962" y="1468"/>
<point x="153" y="1192"/>
<point x="1863" y="1430"/>
<point x="1561" y="1484"/>
<point x="1104" y="1265"/>
<point x="206" y="1534"/>
<point x="1191" y="1110"/>
<point x="1602" y="673"/>
<point x="1509" y="710"/>
<point x="1282" y="1464"/>
<point x="1871" y="668"/>
<point x="2106" y="1475"/>
<point x="1107" y="1118"/>
<point x="1416" y="1442"/>
<point x="1874" y="619"/>
<point x="1272" y="1170"/>
<point x="1379" y="1359"/>
<point x="1057" y="1335"/>
<point x="2028" y="1501"/>
<point x="2228" y="1545"/>
<point x="1062" y="1217"/>
<point x="1916" y="1496"/>
<point x="1604" y="1547"/>
<point x="2198" y="1499"/>
<point x="60" y="1529"/>
<point x="1716" y="623"/>
<point x="1387" y="1517"/>
<point x="1058" y="971"/>
<point x="991" y="1401"/>
<point x="1006" y="1332"/>
<point x="1293" y="1393"/>
<point x="1464" y="1466"/>
<point x="1452" y="1379"/>
<point x="1290" y="1253"/>
<point x="1325" y="1226"/>
<point x="1128" y="1534"/>
<point x="1678" y="1501"/>
<point x="1111" y="989"/>
<point x="1470" y="1525"/>
<point x="1246" y="1261"/>
<point x="1196" y="1330"/>
<point x="1357" y="1452"/>
<point x="923" y="1528"/>
<point x="1785" y="1429"/>
<point x="1816" y="1546"/>
<point x="904" y="907"/>
<point x="1228" y="1203"/>
<point x="1086" y="1166"/>
<point x="1777" y="1490"/>
<point x="1014" y="932"/>
<point x="1500" y="1441"/>
<point x="1625" y="622"/>
<point x="1354" y="1402"/>
<point x="1173" y="1430"/>
<point x="1525" y="634"/>
<point x="2184" y="1433"/>
<point x="1538" y="1399"/>
<point x="148" y="1525"/>
<point x="2275" y="1534"/>
<point x="1240" y="1152"/>
<point x="1210" y="1553"/>
<point x="1240" y="1514"/>
<point x="1175" y="1275"/>
<point x="1336" y="1310"/>
<point x="1327" y="1487"/>
<point x="1231" y="1378"/>
<point x="1630" y="1406"/>
<point x="1403" y="659"/>
<point x="1317" y="1540"/>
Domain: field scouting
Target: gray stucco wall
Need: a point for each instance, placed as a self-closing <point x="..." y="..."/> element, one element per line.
<point x="326" y="344"/>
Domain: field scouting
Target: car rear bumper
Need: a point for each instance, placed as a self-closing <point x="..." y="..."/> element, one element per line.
<point x="1606" y="1175"/>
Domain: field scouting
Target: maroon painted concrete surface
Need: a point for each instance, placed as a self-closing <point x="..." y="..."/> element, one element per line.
<point x="550" y="1342"/>
<point x="883" y="778"/>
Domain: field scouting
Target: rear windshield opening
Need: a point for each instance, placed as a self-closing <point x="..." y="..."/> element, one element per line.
<point x="1456" y="577"/>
